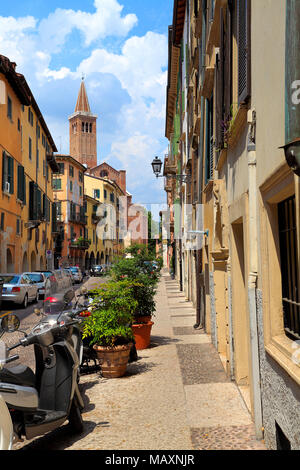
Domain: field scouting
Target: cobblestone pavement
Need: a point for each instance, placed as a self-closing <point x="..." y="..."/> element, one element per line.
<point x="175" y="397"/>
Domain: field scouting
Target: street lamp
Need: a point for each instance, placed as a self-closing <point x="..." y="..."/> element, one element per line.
<point x="157" y="166"/>
<point x="292" y="155"/>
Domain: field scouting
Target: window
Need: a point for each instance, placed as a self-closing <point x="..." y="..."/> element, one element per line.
<point x="87" y="127"/>
<point x="7" y="174"/>
<point x="2" y="221"/>
<point x="80" y="176"/>
<point x="103" y="174"/>
<point x="71" y="185"/>
<point x="9" y="108"/>
<point x="82" y="127"/>
<point x="96" y="193"/>
<point x="37" y="158"/>
<point x="289" y="269"/>
<point x="91" y="128"/>
<point x="244" y="50"/>
<point x="61" y="167"/>
<point x="30" y="148"/>
<point x="35" y="202"/>
<point x="21" y="194"/>
<point x="105" y="194"/>
<point x="80" y="190"/>
<point x="38" y="131"/>
<point x="112" y="197"/>
<point x="71" y="170"/>
<point x="56" y="184"/>
<point x="18" y="227"/>
<point x="30" y="116"/>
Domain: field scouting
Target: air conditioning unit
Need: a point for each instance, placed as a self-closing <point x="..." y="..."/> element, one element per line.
<point x="7" y="187"/>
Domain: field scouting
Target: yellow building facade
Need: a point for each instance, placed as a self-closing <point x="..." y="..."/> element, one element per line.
<point x="26" y="199"/>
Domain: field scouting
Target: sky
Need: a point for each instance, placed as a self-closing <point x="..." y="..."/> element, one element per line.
<point x="121" y="48"/>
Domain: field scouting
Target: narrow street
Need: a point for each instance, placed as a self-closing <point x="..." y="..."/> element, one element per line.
<point x="175" y="397"/>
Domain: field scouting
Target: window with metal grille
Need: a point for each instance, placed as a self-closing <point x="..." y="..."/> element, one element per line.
<point x="289" y="267"/>
<point x="244" y="50"/>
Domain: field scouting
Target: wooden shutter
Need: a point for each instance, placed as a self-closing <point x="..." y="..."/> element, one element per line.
<point x="220" y="87"/>
<point x="4" y="170"/>
<point x="21" y="193"/>
<point x="228" y="65"/>
<point x="244" y="50"/>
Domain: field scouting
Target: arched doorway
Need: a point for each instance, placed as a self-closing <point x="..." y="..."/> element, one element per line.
<point x="102" y="257"/>
<point x="25" y="264"/>
<point x="42" y="264"/>
<point x="10" y="266"/>
<point x="92" y="260"/>
<point x="110" y="256"/>
<point x="106" y="257"/>
<point x="98" y="259"/>
<point x="33" y="261"/>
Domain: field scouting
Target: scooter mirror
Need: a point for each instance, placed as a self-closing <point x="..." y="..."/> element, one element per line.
<point x="68" y="297"/>
<point x="10" y="323"/>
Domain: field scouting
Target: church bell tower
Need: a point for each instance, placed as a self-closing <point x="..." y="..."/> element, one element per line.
<point x="83" y="131"/>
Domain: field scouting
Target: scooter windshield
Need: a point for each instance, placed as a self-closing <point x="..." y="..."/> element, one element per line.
<point x="56" y="302"/>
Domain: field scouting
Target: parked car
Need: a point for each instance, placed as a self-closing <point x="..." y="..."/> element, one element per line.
<point x="63" y="280"/>
<point x="39" y="279"/>
<point x="97" y="271"/>
<point x="50" y="275"/>
<point x="69" y="275"/>
<point x="76" y="273"/>
<point x="19" y="288"/>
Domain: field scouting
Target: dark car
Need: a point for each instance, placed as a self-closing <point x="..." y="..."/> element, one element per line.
<point x="97" y="271"/>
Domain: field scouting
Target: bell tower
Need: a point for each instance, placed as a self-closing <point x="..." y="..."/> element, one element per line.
<point x="83" y="131"/>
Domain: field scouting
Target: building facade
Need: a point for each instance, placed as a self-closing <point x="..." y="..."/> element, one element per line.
<point x="26" y="201"/>
<point x="232" y="104"/>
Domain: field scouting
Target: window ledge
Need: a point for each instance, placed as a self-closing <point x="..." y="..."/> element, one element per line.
<point x="287" y="354"/>
<point x="237" y="126"/>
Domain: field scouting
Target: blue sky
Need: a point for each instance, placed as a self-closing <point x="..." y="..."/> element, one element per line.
<point x="121" y="47"/>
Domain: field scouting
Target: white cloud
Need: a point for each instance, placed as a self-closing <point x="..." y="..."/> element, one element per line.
<point x="139" y="68"/>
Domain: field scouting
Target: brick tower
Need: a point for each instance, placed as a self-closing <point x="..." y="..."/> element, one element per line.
<point x="83" y="131"/>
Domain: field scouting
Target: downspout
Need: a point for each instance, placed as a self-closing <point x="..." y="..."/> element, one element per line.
<point x="252" y="281"/>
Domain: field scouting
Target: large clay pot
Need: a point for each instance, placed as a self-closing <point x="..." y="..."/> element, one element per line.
<point x="113" y="360"/>
<point x="142" y="333"/>
<point x="143" y="319"/>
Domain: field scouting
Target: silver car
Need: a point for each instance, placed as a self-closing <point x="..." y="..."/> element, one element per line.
<point x="76" y="273"/>
<point x="19" y="288"/>
<point x="39" y="279"/>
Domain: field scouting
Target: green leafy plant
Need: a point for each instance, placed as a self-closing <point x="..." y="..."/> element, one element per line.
<point x="112" y="314"/>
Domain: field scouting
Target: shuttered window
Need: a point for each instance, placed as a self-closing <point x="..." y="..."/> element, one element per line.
<point x="35" y="202"/>
<point x="7" y="173"/>
<point x="209" y="161"/>
<point x="21" y="195"/>
<point x="244" y="50"/>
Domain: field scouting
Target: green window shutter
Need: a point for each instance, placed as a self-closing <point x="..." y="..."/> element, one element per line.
<point x="21" y="192"/>
<point x="11" y="174"/>
<point x="57" y="183"/>
<point x="4" y="170"/>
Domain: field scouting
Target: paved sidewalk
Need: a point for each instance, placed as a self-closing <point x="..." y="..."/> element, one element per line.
<point x="176" y="397"/>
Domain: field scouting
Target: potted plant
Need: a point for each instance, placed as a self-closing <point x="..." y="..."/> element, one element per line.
<point x="109" y="326"/>
<point x="139" y="269"/>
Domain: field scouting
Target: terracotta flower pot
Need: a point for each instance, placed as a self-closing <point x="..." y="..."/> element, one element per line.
<point x="142" y="332"/>
<point x="113" y="360"/>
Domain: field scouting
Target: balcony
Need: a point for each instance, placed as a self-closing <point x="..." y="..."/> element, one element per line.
<point x="80" y="244"/>
<point x="78" y="218"/>
<point x="169" y="166"/>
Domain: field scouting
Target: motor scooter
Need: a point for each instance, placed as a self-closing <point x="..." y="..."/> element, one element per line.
<point x="42" y="401"/>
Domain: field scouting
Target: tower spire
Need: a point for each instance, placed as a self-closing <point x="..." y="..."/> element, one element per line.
<point x="82" y="104"/>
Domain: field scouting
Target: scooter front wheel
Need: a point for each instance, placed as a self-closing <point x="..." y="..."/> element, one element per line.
<point x="75" y="418"/>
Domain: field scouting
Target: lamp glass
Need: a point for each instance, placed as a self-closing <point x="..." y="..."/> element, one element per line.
<point x="156" y="165"/>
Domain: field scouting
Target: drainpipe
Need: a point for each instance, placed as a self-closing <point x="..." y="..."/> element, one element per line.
<point x="252" y="281"/>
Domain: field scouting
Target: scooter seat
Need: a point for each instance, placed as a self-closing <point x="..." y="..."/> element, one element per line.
<point x="18" y="375"/>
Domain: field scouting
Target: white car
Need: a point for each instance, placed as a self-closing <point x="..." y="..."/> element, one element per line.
<point x="19" y="288"/>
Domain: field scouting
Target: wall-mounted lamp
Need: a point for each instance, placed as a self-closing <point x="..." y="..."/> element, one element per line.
<point x="292" y="155"/>
<point x="157" y="166"/>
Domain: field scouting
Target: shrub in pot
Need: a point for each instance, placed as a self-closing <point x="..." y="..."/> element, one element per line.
<point x="109" y="326"/>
